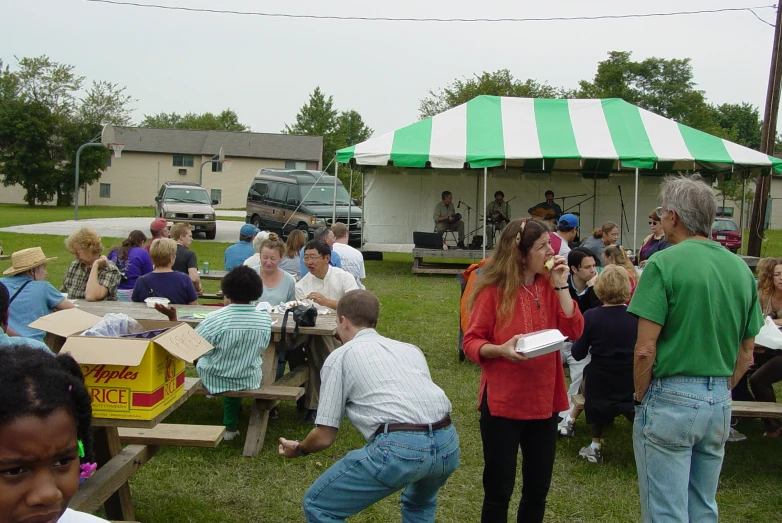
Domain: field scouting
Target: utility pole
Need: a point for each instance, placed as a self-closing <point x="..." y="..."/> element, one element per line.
<point x="768" y="138"/>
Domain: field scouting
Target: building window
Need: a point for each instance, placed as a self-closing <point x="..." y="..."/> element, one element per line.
<point x="292" y="164"/>
<point x="105" y="190"/>
<point x="217" y="167"/>
<point x="217" y="194"/>
<point x="108" y="162"/>
<point x="183" y="161"/>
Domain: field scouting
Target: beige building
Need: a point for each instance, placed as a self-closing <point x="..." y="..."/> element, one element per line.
<point x="152" y="157"/>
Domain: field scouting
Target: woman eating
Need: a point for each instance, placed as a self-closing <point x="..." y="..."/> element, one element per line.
<point x="519" y="397"/>
<point x="601" y="238"/>
<point x="30" y="294"/>
<point x="768" y="362"/>
<point x="654" y="242"/>
<point x="133" y="261"/>
<point x="90" y="275"/>
<point x="164" y="281"/>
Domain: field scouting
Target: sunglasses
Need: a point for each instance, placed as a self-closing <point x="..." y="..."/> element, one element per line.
<point x="651" y="222"/>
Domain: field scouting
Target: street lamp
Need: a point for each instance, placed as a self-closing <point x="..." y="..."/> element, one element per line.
<point x="107" y="139"/>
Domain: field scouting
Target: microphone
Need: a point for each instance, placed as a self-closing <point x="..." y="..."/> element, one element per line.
<point x="460" y="203"/>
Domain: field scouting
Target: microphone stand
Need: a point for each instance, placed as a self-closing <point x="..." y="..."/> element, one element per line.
<point x="571" y="196"/>
<point x="622" y="217"/>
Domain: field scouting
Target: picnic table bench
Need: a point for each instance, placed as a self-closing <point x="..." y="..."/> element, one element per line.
<point x="288" y="388"/>
<point x="212" y="275"/>
<point x="422" y="267"/>
<point x="109" y="485"/>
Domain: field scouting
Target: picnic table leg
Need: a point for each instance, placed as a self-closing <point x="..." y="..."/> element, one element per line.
<point x="107" y="445"/>
<point x="256" y="429"/>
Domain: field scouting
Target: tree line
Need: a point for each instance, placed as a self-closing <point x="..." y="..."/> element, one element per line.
<point x="46" y="114"/>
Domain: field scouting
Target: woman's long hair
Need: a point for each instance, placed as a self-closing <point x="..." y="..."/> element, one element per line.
<point x="765" y="272"/>
<point x="296" y="240"/>
<point x="617" y="256"/>
<point x="506" y="267"/>
<point x="604" y="229"/>
<point x="134" y="239"/>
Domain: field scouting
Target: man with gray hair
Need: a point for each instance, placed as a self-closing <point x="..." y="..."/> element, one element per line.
<point x="323" y="234"/>
<point x="698" y="316"/>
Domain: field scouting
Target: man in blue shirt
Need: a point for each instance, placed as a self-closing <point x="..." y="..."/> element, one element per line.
<point x="323" y="234"/>
<point x="243" y="249"/>
<point x="6" y="341"/>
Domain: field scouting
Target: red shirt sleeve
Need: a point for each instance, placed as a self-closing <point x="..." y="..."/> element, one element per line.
<point x="480" y="329"/>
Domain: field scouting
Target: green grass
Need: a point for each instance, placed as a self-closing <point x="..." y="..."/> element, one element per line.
<point x="210" y="485"/>
<point x="12" y="214"/>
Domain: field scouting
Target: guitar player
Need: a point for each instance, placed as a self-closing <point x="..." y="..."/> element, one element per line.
<point x="548" y="210"/>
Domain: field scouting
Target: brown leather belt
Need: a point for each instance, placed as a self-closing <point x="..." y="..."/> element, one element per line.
<point x="413" y="427"/>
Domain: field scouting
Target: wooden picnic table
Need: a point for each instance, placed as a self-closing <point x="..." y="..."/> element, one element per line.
<point x="5" y="256"/>
<point x="289" y="387"/>
<point x="109" y="485"/>
<point x="212" y="275"/>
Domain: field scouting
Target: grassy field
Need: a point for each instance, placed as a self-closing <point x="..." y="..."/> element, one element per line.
<point x="210" y="485"/>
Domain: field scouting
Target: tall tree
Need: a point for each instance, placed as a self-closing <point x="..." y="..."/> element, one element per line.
<point x="106" y="102"/>
<point x="227" y="120"/>
<point x="317" y="117"/>
<point x="498" y="83"/>
<point x="741" y="123"/>
<point x="351" y="129"/>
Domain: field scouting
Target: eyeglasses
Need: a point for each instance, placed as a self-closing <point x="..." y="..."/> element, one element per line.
<point x="652" y="222"/>
<point x="659" y="211"/>
<point x="312" y="257"/>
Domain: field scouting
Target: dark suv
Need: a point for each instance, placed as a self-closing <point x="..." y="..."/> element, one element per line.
<point x="187" y="202"/>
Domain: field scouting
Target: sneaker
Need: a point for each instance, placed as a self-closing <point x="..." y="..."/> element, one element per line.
<point x="566" y="429"/>
<point x="591" y="455"/>
<point x="734" y="436"/>
<point x="309" y="418"/>
<point x="209" y="397"/>
<point x="230" y="434"/>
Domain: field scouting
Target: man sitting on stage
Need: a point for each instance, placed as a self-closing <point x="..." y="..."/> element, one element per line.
<point x="447" y="219"/>
<point x="547" y="210"/>
<point x="498" y="214"/>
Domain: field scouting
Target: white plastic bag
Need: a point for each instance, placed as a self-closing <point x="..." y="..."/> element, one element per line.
<point x="769" y="336"/>
<point x="114" y="325"/>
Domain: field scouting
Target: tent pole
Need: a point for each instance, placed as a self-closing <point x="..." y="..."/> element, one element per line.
<point x="334" y="207"/>
<point x="363" y="199"/>
<point x="635" y="215"/>
<point x="485" y="230"/>
<point x="743" y="199"/>
<point x="350" y="200"/>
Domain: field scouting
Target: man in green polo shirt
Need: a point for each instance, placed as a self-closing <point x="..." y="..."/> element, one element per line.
<point x="698" y="316"/>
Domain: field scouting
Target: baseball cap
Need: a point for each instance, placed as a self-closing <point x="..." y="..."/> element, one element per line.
<point x="568" y="220"/>
<point x="158" y="225"/>
<point x="249" y="230"/>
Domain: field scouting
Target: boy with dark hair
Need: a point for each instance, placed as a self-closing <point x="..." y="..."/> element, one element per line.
<point x="239" y="335"/>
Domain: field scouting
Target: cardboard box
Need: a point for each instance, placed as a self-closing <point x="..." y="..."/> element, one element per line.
<point x="128" y="378"/>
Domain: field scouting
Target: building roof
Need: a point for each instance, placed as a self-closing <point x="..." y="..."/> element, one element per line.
<point x="208" y="143"/>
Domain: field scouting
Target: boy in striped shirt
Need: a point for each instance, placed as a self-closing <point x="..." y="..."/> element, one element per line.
<point x="239" y="335"/>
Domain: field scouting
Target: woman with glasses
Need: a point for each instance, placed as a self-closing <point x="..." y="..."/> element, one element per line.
<point x="655" y="241"/>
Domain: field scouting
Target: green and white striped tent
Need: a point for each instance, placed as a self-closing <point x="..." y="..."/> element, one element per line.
<point x="556" y="135"/>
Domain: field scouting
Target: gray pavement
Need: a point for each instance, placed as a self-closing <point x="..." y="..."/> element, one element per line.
<point x="227" y="231"/>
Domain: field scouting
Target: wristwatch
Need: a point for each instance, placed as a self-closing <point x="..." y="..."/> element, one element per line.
<point x="300" y="453"/>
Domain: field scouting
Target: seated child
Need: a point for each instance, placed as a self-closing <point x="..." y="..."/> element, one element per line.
<point x="239" y="335"/>
<point x="45" y="418"/>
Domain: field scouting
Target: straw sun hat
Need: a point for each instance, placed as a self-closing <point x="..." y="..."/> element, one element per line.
<point x="26" y="259"/>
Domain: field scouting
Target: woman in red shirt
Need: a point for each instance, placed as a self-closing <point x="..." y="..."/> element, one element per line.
<point x="519" y="397"/>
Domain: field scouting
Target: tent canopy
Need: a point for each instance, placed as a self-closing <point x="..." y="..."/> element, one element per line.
<point x="532" y="133"/>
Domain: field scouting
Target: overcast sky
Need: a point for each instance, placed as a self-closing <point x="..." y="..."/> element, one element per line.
<point x="265" y="68"/>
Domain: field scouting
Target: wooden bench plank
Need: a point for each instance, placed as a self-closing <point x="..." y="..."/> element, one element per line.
<point x="756" y="409"/>
<point x="295" y="378"/>
<point x="272" y="392"/>
<point x="208" y="436"/>
<point x="110" y="477"/>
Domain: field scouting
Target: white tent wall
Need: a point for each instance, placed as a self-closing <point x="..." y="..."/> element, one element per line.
<point x="399" y="201"/>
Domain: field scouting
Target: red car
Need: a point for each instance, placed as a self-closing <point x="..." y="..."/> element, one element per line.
<point x="727" y="233"/>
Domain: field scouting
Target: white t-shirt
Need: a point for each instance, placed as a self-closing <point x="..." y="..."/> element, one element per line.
<point x="333" y="286"/>
<point x="71" y="516"/>
<point x="352" y="261"/>
<point x="564" y="249"/>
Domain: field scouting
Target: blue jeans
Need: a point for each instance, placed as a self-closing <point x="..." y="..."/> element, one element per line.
<point x="418" y="462"/>
<point x="679" y="441"/>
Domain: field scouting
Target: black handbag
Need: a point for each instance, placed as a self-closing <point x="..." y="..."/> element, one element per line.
<point x="303" y="316"/>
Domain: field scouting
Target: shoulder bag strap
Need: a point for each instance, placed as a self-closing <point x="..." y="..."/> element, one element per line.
<point x="151" y="292"/>
<point x="18" y="291"/>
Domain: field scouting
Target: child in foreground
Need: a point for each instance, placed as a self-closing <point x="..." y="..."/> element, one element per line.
<point x="239" y="335"/>
<point x="45" y="418"/>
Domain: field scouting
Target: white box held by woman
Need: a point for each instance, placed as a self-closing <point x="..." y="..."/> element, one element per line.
<point x="539" y="343"/>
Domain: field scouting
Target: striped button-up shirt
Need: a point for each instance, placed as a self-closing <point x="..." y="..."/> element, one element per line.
<point x="239" y="335"/>
<point x="377" y="380"/>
